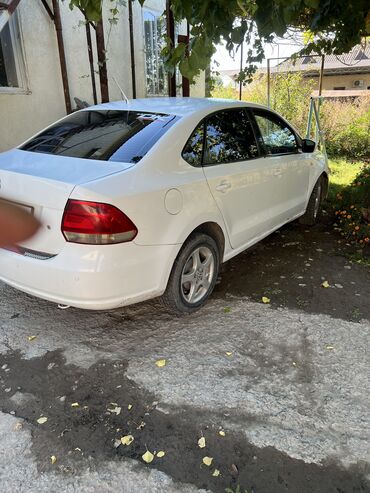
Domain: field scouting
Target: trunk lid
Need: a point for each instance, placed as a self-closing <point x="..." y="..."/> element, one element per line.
<point x="43" y="183"/>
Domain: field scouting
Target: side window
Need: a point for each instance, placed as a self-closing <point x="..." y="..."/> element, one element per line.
<point x="277" y="137"/>
<point x="193" y="149"/>
<point x="229" y="138"/>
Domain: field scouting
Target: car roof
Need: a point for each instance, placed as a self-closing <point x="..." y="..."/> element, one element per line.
<point x="180" y="106"/>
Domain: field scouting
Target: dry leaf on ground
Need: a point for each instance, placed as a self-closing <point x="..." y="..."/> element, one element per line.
<point x="42" y="420"/>
<point x="207" y="460"/>
<point x="202" y="442"/>
<point x="160" y="363"/>
<point x="127" y="439"/>
<point x="147" y="457"/>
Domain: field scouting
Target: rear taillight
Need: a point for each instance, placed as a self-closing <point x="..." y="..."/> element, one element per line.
<point x="96" y="224"/>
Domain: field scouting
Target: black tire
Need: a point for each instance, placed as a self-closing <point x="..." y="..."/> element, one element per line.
<point x="174" y="298"/>
<point x="313" y="210"/>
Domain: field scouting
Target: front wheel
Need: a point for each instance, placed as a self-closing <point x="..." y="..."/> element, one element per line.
<point x="193" y="276"/>
<point x="313" y="210"/>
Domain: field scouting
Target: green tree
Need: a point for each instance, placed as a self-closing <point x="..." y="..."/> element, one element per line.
<point x="334" y="27"/>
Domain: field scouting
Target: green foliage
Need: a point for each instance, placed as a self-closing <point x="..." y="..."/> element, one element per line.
<point x="256" y="22"/>
<point x="350" y="200"/>
<point x="347" y="128"/>
<point x="223" y="92"/>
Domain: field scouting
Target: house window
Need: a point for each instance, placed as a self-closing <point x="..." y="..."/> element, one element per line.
<point x="154" y="31"/>
<point x="12" y="72"/>
<point x="339" y="88"/>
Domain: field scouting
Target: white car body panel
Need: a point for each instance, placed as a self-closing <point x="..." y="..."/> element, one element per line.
<point x="165" y="197"/>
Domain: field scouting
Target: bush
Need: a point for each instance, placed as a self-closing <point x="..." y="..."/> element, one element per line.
<point x="347" y="127"/>
<point x="352" y="206"/>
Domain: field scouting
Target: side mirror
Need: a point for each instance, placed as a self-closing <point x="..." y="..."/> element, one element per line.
<point x="308" y="145"/>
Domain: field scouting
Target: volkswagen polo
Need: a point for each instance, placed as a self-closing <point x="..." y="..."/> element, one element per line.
<point x="148" y="198"/>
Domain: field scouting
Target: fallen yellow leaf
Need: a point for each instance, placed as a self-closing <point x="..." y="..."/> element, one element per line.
<point x="127" y="440"/>
<point x="31" y="338"/>
<point x="329" y="347"/>
<point x="161" y="453"/>
<point x="216" y="473"/>
<point x="207" y="460"/>
<point x="160" y="363"/>
<point x="74" y="404"/>
<point x="325" y="284"/>
<point x="42" y="420"/>
<point x="147" y="457"/>
<point x="129" y="407"/>
<point x="222" y="433"/>
<point x="202" y="442"/>
<point x="229" y="353"/>
<point x="53" y="459"/>
<point x="265" y="299"/>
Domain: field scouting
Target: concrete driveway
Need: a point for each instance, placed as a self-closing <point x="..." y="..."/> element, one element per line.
<point x="286" y="383"/>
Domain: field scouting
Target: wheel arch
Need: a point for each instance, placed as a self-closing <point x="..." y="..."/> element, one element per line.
<point x="213" y="230"/>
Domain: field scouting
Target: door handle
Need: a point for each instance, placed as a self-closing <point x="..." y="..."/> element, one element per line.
<point x="223" y="186"/>
<point x="277" y="171"/>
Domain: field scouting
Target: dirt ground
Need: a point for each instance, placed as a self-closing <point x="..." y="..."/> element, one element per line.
<point x="287" y="383"/>
<point x="289" y="267"/>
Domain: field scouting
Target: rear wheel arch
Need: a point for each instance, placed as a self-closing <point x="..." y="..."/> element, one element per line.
<point x="213" y="230"/>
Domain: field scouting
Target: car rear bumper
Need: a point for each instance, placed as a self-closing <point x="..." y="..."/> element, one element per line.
<point x="90" y="277"/>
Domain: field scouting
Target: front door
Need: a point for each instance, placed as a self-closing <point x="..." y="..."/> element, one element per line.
<point x="290" y="166"/>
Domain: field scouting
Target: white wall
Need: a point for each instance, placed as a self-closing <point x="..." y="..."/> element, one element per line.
<point x="24" y="114"/>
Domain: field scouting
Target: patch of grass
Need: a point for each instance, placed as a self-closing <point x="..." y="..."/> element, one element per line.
<point x="349" y="200"/>
<point x="342" y="173"/>
<point x="358" y="258"/>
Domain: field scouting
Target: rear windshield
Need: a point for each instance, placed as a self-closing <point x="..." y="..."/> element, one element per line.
<point x="123" y="136"/>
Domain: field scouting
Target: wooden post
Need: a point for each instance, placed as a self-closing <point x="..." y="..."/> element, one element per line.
<point x="62" y="56"/>
<point x="241" y="68"/>
<point x="321" y="73"/>
<point x="103" y="76"/>
<point x="91" y="60"/>
<point x="171" y="34"/>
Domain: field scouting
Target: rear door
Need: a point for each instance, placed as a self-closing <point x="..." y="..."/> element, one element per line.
<point x="241" y="181"/>
<point x="291" y="167"/>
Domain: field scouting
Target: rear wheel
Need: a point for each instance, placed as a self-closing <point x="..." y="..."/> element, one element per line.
<point x="193" y="276"/>
<point x="313" y="210"/>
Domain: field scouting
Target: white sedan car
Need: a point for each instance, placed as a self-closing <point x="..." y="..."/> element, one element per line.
<point x="148" y="198"/>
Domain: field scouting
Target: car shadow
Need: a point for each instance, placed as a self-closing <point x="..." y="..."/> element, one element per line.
<point x="290" y="266"/>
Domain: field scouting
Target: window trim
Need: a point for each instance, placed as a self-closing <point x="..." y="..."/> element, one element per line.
<point x="203" y="122"/>
<point x="298" y="139"/>
<point x="16" y="35"/>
